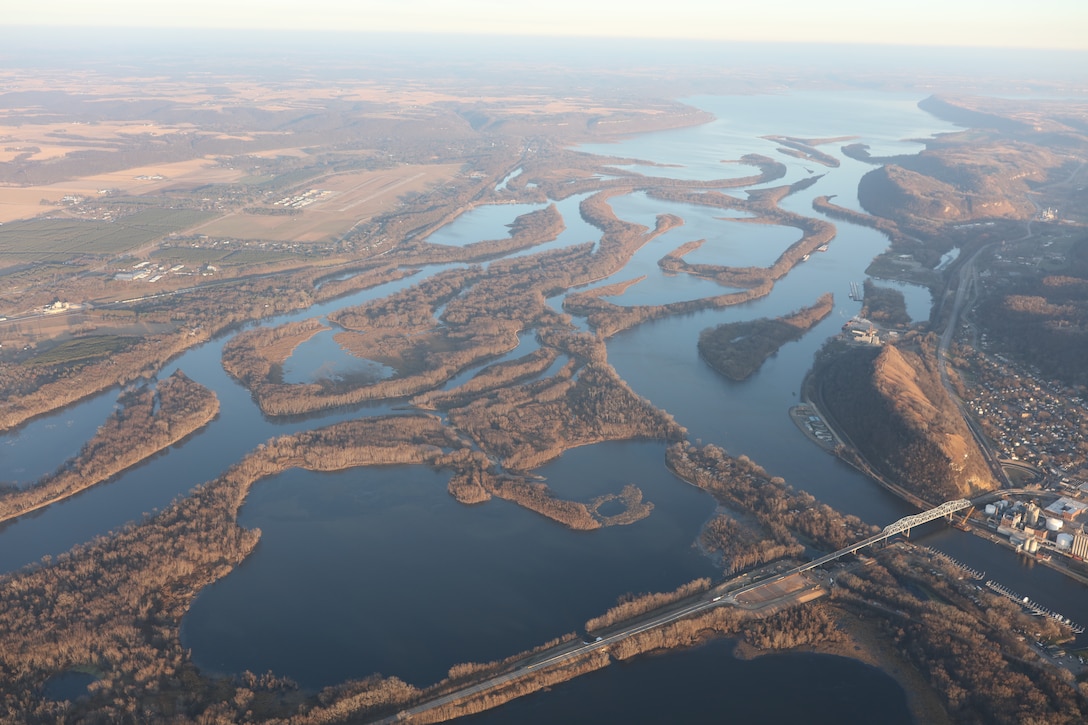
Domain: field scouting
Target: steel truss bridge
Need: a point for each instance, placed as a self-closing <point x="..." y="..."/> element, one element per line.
<point x="904" y="524"/>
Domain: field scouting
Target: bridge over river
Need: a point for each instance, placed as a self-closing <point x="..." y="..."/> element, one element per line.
<point x="904" y="524"/>
<point x="760" y="595"/>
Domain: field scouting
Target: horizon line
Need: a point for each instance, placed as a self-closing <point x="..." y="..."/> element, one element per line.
<point x="453" y="35"/>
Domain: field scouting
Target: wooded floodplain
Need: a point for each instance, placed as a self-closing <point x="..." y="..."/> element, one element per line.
<point x="150" y="419"/>
<point x="269" y="209"/>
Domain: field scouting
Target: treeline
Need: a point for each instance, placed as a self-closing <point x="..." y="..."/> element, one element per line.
<point x="741" y="484"/>
<point x="560" y="186"/>
<point x="490" y="378"/>
<point x="528" y="230"/>
<point x="635" y="605"/>
<point x="538" y="497"/>
<point x="483" y="313"/>
<point x="970" y="175"/>
<point x="28" y="390"/>
<point x="1043" y="320"/>
<point x="884" y="305"/>
<point x="150" y="419"/>
<point x="742" y="547"/>
<point x="328" y="288"/>
<point x="115" y="603"/>
<point x="410" y="308"/>
<point x="527" y="426"/>
<point x="608" y="318"/>
<point x="763" y="204"/>
<point x="686" y="632"/>
<point x="399" y="330"/>
<point x="972" y="655"/>
<point x="795" y="627"/>
<point x="739" y="349"/>
<point x="518" y="687"/>
<point x="259" y="353"/>
<point x="634" y="508"/>
<point x="891" y="405"/>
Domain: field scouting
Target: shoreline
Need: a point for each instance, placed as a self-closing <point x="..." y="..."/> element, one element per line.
<point x="864" y="644"/>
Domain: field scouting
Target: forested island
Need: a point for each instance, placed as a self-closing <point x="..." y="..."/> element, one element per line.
<point x="739" y="349"/>
<point x="150" y="418"/>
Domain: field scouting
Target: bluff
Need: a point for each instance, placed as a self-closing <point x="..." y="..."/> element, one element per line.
<point x="890" y="403"/>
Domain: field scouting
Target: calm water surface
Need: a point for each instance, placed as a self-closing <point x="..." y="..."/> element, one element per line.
<point x="708" y="684"/>
<point x="380" y="570"/>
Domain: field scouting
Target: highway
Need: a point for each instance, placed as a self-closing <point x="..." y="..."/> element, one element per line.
<point x="715" y="597"/>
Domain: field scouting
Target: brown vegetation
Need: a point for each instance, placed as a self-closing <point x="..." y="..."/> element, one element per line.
<point x="29" y="388"/>
<point x="899" y="240"/>
<point x="884" y="305"/>
<point x="795" y="627"/>
<point x="741" y="546"/>
<point x="970" y="175"/>
<point x="490" y="378"/>
<point x="681" y="633"/>
<point x="537" y="497"/>
<point x="115" y="604"/>
<point x="540" y="679"/>
<point x="971" y="654"/>
<point x="131" y="434"/>
<point x="1043" y="318"/>
<point x="528" y="230"/>
<point x="526" y="426"/>
<point x="891" y="404"/>
<point x="608" y="318"/>
<point x="763" y="203"/>
<point x="634" y="605"/>
<point x="743" y="485"/>
<point x="634" y="508"/>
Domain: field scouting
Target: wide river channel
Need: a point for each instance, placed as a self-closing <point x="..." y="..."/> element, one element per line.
<point x="380" y="570"/>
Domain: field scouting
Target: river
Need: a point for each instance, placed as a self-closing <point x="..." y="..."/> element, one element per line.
<point x="380" y="570"/>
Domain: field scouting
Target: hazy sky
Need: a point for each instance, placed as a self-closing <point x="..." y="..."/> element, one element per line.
<point x="1010" y="23"/>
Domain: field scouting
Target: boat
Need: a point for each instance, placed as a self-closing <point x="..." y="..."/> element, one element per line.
<point x="804" y="258"/>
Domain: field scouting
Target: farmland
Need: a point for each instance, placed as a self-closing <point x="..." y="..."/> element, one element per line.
<point x="23" y="202"/>
<point x="56" y="240"/>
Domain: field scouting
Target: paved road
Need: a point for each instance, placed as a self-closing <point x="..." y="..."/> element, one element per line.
<point x="721" y="595"/>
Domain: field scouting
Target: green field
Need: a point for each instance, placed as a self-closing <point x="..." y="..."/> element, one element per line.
<point x="81" y="350"/>
<point x="56" y="240"/>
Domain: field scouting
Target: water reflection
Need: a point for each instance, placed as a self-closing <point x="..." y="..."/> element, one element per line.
<point x="322" y="358"/>
<point x="379" y="569"/>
